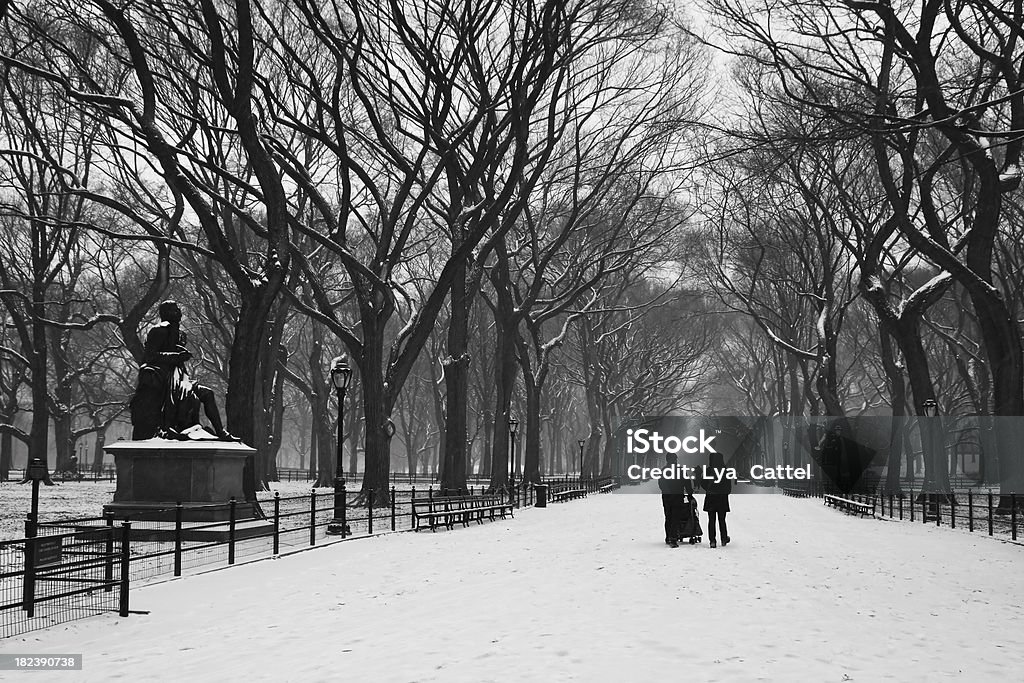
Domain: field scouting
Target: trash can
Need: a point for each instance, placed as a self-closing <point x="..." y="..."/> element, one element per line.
<point x="542" y="495"/>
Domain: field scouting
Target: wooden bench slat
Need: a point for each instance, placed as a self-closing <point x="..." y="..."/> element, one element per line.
<point x="849" y="505"/>
<point x="449" y="510"/>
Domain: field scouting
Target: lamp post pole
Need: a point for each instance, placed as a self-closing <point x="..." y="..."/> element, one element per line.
<point x="936" y="487"/>
<point x="513" y="425"/>
<point x="581" y="442"/>
<point x="341" y="373"/>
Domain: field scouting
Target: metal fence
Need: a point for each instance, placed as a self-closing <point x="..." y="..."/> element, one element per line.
<point x="61" y="577"/>
<point x="106" y="474"/>
<point x="75" y="568"/>
<point x="973" y="511"/>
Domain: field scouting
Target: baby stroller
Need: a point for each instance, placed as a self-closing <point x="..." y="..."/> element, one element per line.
<point x="690" y="527"/>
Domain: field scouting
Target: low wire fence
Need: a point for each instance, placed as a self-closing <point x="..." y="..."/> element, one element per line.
<point x="106" y="474"/>
<point x="61" y="577"/>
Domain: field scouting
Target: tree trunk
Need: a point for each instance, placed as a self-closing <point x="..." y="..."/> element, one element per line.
<point x="277" y="415"/>
<point x="898" y="399"/>
<point x="354" y="429"/>
<point x="314" y="442"/>
<point x="244" y="383"/>
<point x="530" y="458"/>
<point x="456" y="382"/>
<point x="97" y="449"/>
<point x="326" y="443"/>
<point x="377" y="404"/>
<point x="505" y="367"/>
<point x="486" y="454"/>
<point x="38" y="446"/>
<point x="6" y="453"/>
<point x="1001" y="340"/>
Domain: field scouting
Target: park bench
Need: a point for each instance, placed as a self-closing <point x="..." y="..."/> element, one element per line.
<point x="606" y="488"/>
<point x="849" y="505"/>
<point x="794" y="492"/>
<point x="567" y="494"/>
<point x="450" y="510"/>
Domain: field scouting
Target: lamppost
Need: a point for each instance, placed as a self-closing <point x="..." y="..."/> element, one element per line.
<point x="935" y="488"/>
<point x="581" y="442"/>
<point x="341" y="373"/>
<point x="513" y="425"/>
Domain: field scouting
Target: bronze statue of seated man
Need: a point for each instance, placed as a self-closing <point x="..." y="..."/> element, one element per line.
<point x="166" y="401"/>
<point x="185" y="423"/>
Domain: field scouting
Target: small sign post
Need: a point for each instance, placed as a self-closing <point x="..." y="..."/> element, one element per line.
<point x="36" y="549"/>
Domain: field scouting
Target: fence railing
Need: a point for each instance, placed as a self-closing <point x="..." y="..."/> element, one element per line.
<point x="75" y="568"/>
<point x="970" y="510"/>
<point x="303" y="474"/>
<point x="61" y="577"/>
<point x="106" y="474"/>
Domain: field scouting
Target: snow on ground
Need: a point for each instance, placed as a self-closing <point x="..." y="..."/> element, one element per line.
<point x="587" y="591"/>
<point x="85" y="499"/>
<point x="63" y="500"/>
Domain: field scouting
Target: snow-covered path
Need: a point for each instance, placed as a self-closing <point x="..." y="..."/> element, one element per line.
<point x="585" y="591"/>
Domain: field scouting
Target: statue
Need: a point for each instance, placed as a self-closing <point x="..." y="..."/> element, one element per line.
<point x="166" y="401"/>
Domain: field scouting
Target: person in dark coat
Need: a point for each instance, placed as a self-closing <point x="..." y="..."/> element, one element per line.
<point x="716" y="498"/>
<point x="674" y="494"/>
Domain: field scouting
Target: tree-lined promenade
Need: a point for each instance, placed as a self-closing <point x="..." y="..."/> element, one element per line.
<point x="536" y="210"/>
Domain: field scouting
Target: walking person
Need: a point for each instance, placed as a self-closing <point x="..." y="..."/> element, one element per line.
<point x="716" y="497"/>
<point x="674" y="500"/>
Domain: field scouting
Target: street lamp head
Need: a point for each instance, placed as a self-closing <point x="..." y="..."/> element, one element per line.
<point x="513" y="425"/>
<point x="581" y="442"/>
<point x="931" y="408"/>
<point x="341" y="373"/>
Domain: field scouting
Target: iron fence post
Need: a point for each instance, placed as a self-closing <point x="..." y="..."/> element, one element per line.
<point x="1013" y="516"/>
<point x="369" y="514"/>
<point x="277" y="522"/>
<point x="970" y="510"/>
<point x="392" y="508"/>
<point x="29" y="584"/>
<point x="231" y="530"/>
<point x="108" y="569"/>
<point x="126" y="559"/>
<point x="989" y="513"/>
<point x="411" y="522"/>
<point x="177" y="538"/>
<point x="312" y="517"/>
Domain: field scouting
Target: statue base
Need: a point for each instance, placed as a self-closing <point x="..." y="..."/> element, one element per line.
<point x="154" y="475"/>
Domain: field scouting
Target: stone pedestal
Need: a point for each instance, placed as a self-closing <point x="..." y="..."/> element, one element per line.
<point x="155" y="474"/>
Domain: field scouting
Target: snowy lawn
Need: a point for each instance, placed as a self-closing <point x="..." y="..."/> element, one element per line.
<point x="585" y="591"/>
<point x="80" y="499"/>
<point x="63" y="500"/>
